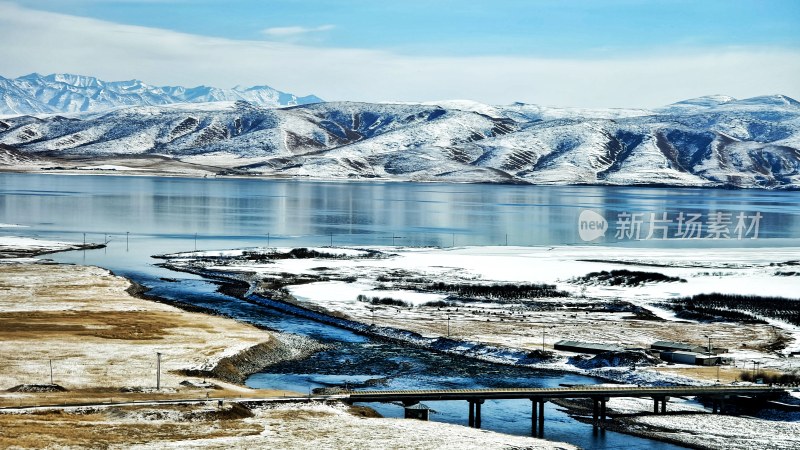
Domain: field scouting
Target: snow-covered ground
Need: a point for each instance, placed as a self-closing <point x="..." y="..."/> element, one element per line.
<point x="15" y="249"/>
<point x="726" y="432"/>
<point x="109" y="167"/>
<point x="512" y="329"/>
<point x="335" y="284"/>
<point x="25" y="243"/>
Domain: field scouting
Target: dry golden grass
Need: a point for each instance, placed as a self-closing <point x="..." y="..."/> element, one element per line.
<point x="101" y="339"/>
<point x="519" y="332"/>
<point x="120" y="426"/>
<point x="124" y="325"/>
<point x="726" y="374"/>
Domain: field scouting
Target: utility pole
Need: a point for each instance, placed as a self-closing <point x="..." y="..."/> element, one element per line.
<point x="454" y="240"/>
<point x="543" y="328"/>
<point x="448" y="326"/>
<point x="158" y="371"/>
<point x="84" y="238"/>
<point x="127" y="236"/>
<point x="506" y="239"/>
<point x="195" y="242"/>
<point x="51" y="371"/>
<point x="331" y="239"/>
<point x="267" y="239"/>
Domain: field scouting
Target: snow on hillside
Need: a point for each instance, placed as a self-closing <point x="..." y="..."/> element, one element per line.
<point x="708" y="141"/>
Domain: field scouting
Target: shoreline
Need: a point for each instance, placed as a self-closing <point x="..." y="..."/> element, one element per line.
<point x="238" y="367"/>
<point x="276" y="177"/>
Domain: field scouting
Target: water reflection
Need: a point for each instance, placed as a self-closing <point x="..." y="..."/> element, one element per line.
<point x="365" y="213"/>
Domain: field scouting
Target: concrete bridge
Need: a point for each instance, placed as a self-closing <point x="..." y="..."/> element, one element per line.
<point x="538" y="396"/>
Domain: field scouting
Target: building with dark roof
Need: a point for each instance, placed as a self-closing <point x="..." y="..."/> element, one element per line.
<point x="587" y="347"/>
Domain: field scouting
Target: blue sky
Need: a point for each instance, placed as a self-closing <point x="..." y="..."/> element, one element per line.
<point x="565" y="52"/>
<point x="582" y="28"/>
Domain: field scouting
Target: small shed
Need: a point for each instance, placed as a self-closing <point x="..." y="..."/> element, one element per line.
<point x="703" y="360"/>
<point x="690" y="358"/>
<point x="680" y="357"/>
<point x="586" y="347"/>
<point x="417" y="411"/>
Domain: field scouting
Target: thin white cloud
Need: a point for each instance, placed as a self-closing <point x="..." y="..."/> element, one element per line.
<point x="295" y="30"/>
<point x="49" y="42"/>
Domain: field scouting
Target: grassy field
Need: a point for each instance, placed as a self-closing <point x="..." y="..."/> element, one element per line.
<point x="101" y="342"/>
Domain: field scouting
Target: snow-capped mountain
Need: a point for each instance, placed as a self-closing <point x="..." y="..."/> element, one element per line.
<point x="709" y="141"/>
<point x="67" y="93"/>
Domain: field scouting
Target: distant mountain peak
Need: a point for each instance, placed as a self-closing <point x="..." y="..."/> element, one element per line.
<point x="771" y="100"/>
<point x="707" y="100"/>
<point x="69" y="93"/>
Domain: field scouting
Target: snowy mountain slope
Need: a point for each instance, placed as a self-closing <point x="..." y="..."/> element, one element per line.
<point x="700" y="142"/>
<point x="67" y="93"/>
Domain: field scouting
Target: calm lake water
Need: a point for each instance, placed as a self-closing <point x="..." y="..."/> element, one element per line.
<point x="143" y="216"/>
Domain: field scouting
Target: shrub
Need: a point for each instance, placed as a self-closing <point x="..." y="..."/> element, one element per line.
<point x="745" y="308"/>
<point x="385" y="301"/>
<point x="500" y="291"/>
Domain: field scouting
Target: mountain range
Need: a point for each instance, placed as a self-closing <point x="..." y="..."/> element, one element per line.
<point x="707" y="141"/>
<point x="67" y="93"/>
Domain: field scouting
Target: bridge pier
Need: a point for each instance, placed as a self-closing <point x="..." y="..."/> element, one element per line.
<point x="599" y="412"/>
<point x="663" y="401"/>
<point x="718" y="404"/>
<point x="603" y="412"/>
<point x="474" y="420"/>
<point x="541" y="417"/>
<point x="537" y="416"/>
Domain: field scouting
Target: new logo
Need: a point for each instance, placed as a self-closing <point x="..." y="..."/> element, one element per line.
<point x="591" y="225"/>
